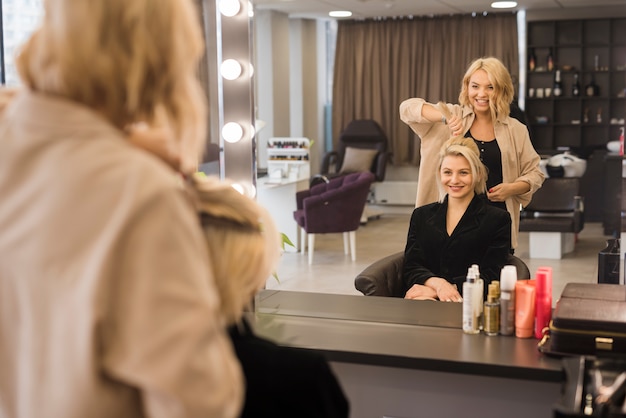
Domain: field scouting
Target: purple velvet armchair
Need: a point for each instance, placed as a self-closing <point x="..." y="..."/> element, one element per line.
<point x="333" y="207"/>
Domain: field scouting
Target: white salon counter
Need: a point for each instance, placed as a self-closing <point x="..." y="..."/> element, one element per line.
<point x="400" y="358"/>
<point x="279" y="198"/>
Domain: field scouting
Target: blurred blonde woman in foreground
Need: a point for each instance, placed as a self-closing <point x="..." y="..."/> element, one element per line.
<point x="244" y="245"/>
<point x="108" y="306"/>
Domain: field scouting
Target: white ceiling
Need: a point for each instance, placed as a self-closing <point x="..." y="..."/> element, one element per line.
<point x="387" y="8"/>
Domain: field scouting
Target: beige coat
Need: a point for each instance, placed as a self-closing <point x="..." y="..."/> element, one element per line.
<point x="107" y="308"/>
<point x="520" y="161"/>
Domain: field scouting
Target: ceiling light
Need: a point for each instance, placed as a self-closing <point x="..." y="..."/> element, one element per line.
<point x="340" y="13"/>
<point x="503" y="4"/>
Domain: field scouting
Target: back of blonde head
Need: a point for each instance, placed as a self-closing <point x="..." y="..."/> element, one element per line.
<point x="503" y="90"/>
<point x="465" y="147"/>
<point x="130" y="60"/>
<point x="243" y="243"/>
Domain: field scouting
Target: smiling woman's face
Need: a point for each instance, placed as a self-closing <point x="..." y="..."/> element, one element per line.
<point x="480" y="91"/>
<point x="456" y="177"/>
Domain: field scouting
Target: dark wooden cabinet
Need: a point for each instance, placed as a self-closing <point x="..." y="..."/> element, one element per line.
<point x="593" y="49"/>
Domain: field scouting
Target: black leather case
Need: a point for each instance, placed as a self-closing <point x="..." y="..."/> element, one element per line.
<point x="589" y="319"/>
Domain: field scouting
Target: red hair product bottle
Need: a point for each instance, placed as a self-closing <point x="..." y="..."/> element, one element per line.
<point x="543" y="300"/>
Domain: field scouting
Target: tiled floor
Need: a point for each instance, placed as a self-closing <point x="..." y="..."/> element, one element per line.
<point x="334" y="272"/>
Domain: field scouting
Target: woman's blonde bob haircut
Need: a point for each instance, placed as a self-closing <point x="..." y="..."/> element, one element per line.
<point x="243" y="242"/>
<point x="500" y="78"/>
<point x="130" y="60"/>
<point x="464" y="147"/>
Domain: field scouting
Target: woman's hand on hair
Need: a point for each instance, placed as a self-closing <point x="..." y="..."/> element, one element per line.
<point x="502" y="191"/>
<point x="456" y="126"/>
<point x="446" y="291"/>
<point x="421" y="292"/>
<point x="157" y="141"/>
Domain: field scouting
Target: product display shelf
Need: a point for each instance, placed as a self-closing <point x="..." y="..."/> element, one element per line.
<point x="594" y="50"/>
<point x="288" y="157"/>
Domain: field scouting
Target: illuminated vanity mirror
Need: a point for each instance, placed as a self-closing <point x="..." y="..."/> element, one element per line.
<point x="279" y="123"/>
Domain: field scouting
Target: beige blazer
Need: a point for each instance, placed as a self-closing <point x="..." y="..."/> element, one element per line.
<point x="520" y="161"/>
<point x="107" y="307"/>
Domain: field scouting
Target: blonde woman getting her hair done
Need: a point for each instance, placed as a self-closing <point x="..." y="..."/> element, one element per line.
<point x="465" y="147"/>
<point x="461" y="229"/>
<point x="483" y="115"/>
<point x="244" y="245"/>
<point x="108" y="300"/>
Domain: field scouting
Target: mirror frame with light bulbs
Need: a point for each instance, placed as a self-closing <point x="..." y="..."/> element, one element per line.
<point x="231" y="99"/>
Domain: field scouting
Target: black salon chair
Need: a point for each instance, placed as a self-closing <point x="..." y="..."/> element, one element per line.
<point x="384" y="277"/>
<point x="553" y="218"/>
<point x="362" y="147"/>
<point x="556" y="207"/>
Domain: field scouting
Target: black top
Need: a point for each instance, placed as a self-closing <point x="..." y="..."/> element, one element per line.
<point x="286" y="382"/>
<point x="491" y="157"/>
<point x="482" y="236"/>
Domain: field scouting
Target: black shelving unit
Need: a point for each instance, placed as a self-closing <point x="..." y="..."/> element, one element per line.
<point x="574" y="45"/>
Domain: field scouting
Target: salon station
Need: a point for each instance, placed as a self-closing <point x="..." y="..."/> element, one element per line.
<point x="401" y="358"/>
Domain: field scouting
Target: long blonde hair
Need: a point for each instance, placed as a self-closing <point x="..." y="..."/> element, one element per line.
<point x="465" y="147"/>
<point x="243" y="243"/>
<point x="500" y="78"/>
<point x="130" y="60"/>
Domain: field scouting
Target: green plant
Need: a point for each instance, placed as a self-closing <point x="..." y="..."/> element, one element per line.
<point x="285" y="241"/>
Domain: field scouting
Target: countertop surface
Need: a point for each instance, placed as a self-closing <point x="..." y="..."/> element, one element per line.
<point x="395" y="332"/>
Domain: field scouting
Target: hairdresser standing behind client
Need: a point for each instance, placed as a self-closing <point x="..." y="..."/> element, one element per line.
<point x="108" y="306"/>
<point x="483" y="115"/>
<point x="447" y="237"/>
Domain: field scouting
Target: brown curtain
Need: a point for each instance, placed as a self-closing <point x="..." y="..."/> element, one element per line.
<point x="380" y="63"/>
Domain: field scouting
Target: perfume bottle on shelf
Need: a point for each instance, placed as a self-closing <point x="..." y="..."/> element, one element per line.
<point x="557" y="88"/>
<point x="576" y="86"/>
<point x="550" y="60"/>
<point x="532" y="60"/>
<point x="592" y="89"/>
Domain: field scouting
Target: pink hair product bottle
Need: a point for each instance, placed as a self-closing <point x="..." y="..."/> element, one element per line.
<point x="543" y="300"/>
<point x="524" y="308"/>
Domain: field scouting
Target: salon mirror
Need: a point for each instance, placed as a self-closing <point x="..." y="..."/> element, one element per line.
<point x="278" y="123"/>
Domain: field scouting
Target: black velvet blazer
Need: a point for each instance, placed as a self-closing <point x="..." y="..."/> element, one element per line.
<point x="286" y="382"/>
<point x="483" y="237"/>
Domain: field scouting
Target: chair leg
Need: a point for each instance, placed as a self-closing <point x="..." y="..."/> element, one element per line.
<point x="353" y="245"/>
<point x="345" y="243"/>
<point x="311" y="247"/>
<point x="302" y="241"/>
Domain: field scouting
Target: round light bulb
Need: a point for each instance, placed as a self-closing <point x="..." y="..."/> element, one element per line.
<point x="252" y="130"/>
<point x="232" y="132"/>
<point x="229" y="8"/>
<point x="245" y="188"/>
<point x="230" y="69"/>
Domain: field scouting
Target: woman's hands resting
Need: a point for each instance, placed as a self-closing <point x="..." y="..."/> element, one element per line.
<point x="434" y="288"/>
<point x="421" y="292"/>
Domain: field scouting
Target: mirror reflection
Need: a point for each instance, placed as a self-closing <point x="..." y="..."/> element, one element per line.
<point x="294" y="99"/>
